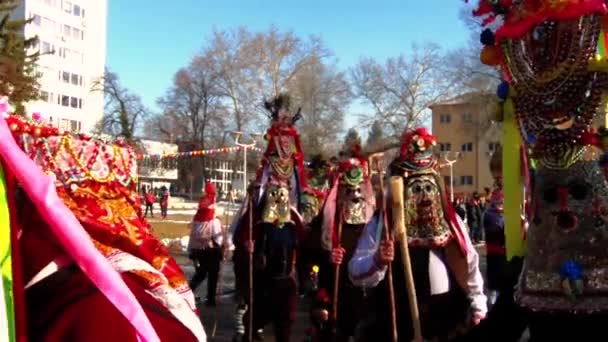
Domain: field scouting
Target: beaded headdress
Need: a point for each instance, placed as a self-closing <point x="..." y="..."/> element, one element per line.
<point x="97" y="181"/>
<point x="416" y="151"/>
<point x="553" y="58"/>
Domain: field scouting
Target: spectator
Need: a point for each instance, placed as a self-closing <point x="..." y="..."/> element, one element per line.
<point x="164" y="201"/>
<point x="474" y="213"/>
<point x="150" y="199"/>
<point x="205" y="245"/>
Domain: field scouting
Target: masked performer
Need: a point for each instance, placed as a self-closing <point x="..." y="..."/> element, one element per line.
<point x="444" y="264"/>
<point x="349" y="207"/>
<point x="553" y="58"/>
<point x="67" y="277"/>
<point x="205" y="247"/>
<point x="278" y="228"/>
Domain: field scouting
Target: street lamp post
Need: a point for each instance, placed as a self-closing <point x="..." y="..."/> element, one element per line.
<point x="237" y="141"/>
<point x="451" y="165"/>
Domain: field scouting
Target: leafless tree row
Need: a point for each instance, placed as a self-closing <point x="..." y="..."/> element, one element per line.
<point x="224" y="85"/>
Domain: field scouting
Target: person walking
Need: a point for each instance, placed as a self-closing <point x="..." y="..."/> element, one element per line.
<point x="150" y="199"/>
<point x="164" y="201"/>
<point x="205" y="245"/>
<point x="474" y="213"/>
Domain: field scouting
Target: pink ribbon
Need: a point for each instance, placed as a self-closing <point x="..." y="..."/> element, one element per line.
<point x="72" y="236"/>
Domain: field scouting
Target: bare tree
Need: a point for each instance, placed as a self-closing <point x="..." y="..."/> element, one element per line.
<point x="124" y="112"/>
<point x="401" y="90"/>
<point x="323" y="93"/>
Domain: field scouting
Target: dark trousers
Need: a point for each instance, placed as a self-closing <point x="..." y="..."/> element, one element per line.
<point x="150" y="207"/>
<point x="476" y="233"/>
<point x="163" y="211"/>
<point x="275" y="302"/>
<point x="207" y="262"/>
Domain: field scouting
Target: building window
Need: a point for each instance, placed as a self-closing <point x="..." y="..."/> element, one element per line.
<point x="75" y="79"/>
<point x="67" y="7"/>
<point x="79" y="126"/>
<point x="466" y="180"/>
<point x="76" y="10"/>
<point x="46" y="47"/>
<point x="64" y="124"/>
<point x="445" y="118"/>
<point x="82" y="34"/>
<point x="467" y="118"/>
<point x="80" y="80"/>
<point x="74" y="102"/>
<point x="445" y="147"/>
<point x="65" y="77"/>
<point x="493" y="146"/>
<point x="44" y="96"/>
<point x="468" y="147"/>
<point x="82" y="10"/>
<point x="67" y="31"/>
<point x="65" y="100"/>
<point x="37" y="20"/>
<point x="74" y="126"/>
<point x="80" y="103"/>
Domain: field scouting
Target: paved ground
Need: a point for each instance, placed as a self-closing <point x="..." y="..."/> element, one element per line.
<point x="221" y="317"/>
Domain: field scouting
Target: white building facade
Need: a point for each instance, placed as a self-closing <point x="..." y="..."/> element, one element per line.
<point x="156" y="172"/>
<point x="72" y="37"/>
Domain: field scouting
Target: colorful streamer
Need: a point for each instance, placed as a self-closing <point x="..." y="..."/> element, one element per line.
<point x="7" y="324"/>
<point x="513" y="183"/>
<point x="197" y="153"/>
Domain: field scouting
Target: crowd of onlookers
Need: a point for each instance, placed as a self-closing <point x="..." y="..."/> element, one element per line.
<point x="471" y="210"/>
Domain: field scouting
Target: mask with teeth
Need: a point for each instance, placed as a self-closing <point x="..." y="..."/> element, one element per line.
<point x="350" y="196"/>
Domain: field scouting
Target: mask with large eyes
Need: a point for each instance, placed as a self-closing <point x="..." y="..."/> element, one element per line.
<point x="310" y="207"/>
<point x="567" y="240"/>
<point x="425" y="219"/>
<point x="277" y="209"/>
<point x="350" y="196"/>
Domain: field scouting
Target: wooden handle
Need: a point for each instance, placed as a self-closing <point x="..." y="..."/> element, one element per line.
<point x="250" y="304"/>
<point x="397" y="203"/>
<point x="396" y="185"/>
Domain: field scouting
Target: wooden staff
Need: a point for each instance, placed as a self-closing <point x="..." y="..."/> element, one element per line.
<point x="250" y="302"/>
<point x="334" y="313"/>
<point x="387" y="237"/>
<point x="396" y="186"/>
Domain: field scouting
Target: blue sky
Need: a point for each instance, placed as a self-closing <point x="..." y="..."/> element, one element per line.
<point x="149" y="40"/>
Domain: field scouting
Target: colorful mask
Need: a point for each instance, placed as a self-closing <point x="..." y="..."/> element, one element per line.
<point x="311" y="205"/>
<point x="277" y="209"/>
<point x="426" y="216"/>
<point x="350" y="195"/>
<point x="556" y="79"/>
<point x="425" y="220"/>
<point x="567" y="241"/>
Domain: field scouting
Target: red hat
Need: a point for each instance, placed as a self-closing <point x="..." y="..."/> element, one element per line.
<point x="417" y="149"/>
<point x="209" y="189"/>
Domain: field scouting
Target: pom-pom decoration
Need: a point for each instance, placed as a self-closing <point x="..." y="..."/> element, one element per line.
<point x="487" y="37"/>
<point x="491" y="55"/>
<point x="503" y="91"/>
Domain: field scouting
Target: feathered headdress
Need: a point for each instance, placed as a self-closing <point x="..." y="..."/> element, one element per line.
<point x="279" y="104"/>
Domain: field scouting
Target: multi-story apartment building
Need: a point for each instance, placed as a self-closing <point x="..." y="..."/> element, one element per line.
<point x="466" y="134"/>
<point x="72" y="39"/>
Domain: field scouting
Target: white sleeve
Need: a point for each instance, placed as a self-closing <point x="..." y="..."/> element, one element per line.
<point x="479" y="301"/>
<point x="362" y="268"/>
<point x="218" y="235"/>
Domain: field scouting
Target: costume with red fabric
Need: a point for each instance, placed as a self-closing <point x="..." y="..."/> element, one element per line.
<point x="278" y="229"/>
<point x="96" y="181"/>
<point x="445" y="266"/>
<point x="350" y="204"/>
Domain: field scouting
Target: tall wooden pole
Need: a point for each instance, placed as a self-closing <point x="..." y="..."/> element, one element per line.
<point x="334" y="312"/>
<point x="396" y="187"/>
<point x="250" y="304"/>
